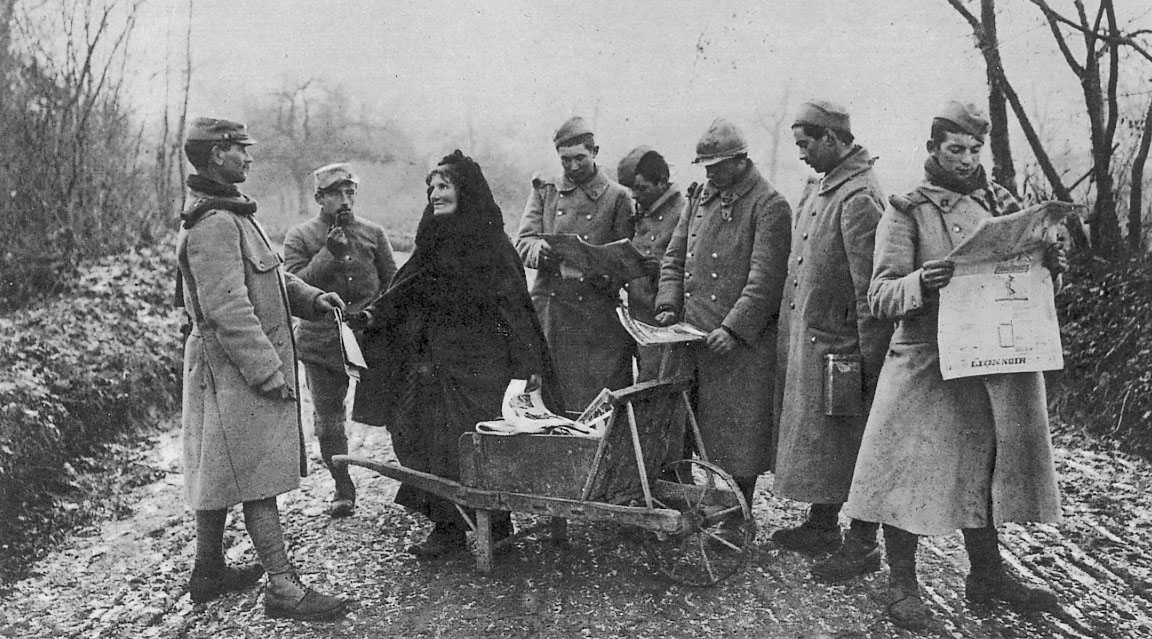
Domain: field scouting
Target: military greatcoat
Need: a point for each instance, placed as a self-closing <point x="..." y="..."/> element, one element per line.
<point x="239" y="445"/>
<point x="940" y="455"/>
<point x="825" y="311"/>
<point x="654" y="228"/>
<point x="725" y="266"/>
<point x="589" y="347"/>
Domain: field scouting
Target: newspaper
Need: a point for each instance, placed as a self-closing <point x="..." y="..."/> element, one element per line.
<point x="620" y="260"/>
<point x="998" y="313"/>
<point x="649" y="335"/>
<point x="524" y="412"/>
<point x="349" y="349"/>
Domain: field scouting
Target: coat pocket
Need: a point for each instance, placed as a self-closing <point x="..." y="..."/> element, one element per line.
<point x="262" y="258"/>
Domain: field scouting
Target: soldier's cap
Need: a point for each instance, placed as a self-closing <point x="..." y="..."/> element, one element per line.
<point x="824" y="114"/>
<point x="218" y="130"/>
<point x="330" y="175"/>
<point x="626" y="170"/>
<point x="573" y="127"/>
<point x="968" y="117"/>
<point x="721" y="141"/>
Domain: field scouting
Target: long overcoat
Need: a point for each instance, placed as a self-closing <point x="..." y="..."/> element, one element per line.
<point x="654" y="228"/>
<point x="238" y="445"/>
<point x="589" y="347"/>
<point x="359" y="277"/>
<point x="940" y="455"/>
<point x="726" y="265"/>
<point x="825" y="311"/>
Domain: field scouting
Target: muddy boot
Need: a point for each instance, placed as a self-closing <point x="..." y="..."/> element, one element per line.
<point x="209" y="582"/>
<point x="860" y="555"/>
<point x="819" y="533"/>
<point x="905" y="607"/>
<point x="344" y="499"/>
<point x="286" y="597"/>
<point x="991" y="581"/>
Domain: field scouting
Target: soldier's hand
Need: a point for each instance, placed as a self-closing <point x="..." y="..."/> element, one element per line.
<point x="935" y="274"/>
<point x="275" y="387"/>
<point x="337" y="242"/>
<point x="666" y="318"/>
<point x="328" y="302"/>
<point x="720" y="341"/>
<point x="1056" y="258"/>
<point x="545" y="256"/>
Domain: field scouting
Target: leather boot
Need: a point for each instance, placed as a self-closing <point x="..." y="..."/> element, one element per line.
<point x="344" y="499"/>
<point x="860" y="555"/>
<point x="991" y="581"/>
<point x="209" y="582"/>
<point x="445" y="539"/>
<point x="905" y="607"/>
<point x="819" y="533"/>
<point x="302" y="603"/>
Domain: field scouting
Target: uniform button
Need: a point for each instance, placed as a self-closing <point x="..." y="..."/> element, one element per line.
<point x="349" y="278"/>
<point x="944" y="202"/>
<point x="584" y="237"/>
<point x="805" y="236"/>
<point x="581" y="278"/>
<point x="588" y="217"/>
<point x="795" y="284"/>
<point x="800" y="260"/>
<point x="579" y="298"/>
<point x="714" y="276"/>
<point x="648" y="251"/>
<point x="559" y="212"/>
<point x="813" y="213"/>
<point x="791" y="304"/>
<point x="653" y="237"/>
<point x="689" y="253"/>
<point x="956" y="228"/>
<point x="714" y="256"/>
<point x="552" y="294"/>
<point x="712" y="297"/>
<point x="687" y="295"/>
<point x="660" y="217"/>
<point x="347" y="258"/>
<point x="813" y="340"/>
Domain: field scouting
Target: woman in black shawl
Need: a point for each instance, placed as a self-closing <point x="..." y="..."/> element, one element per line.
<point x="444" y="340"/>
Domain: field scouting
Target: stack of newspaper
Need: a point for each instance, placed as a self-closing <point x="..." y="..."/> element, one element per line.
<point x="524" y="412"/>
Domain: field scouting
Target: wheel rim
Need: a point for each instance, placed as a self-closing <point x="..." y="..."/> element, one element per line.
<point x="715" y="540"/>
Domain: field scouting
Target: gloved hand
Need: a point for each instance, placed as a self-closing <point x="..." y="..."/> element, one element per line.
<point x="337" y="242"/>
<point x="359" y="321"/>
<point x="275" y="387"/>
<point x="1056" y="258"/>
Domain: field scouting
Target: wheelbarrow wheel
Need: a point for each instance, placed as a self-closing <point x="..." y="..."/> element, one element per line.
<point x="715" y="539"/>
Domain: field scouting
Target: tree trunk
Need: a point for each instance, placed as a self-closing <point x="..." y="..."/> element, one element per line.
<point x="1136" y="201"/>
<point x="1003" y="169"/>
<point x="6" y="10"/>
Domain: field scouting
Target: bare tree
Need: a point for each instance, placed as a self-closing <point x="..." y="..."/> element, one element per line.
<point x="1136" y="200"/>
<point x="999" y="91"/>
<point x="1102" y="40"/>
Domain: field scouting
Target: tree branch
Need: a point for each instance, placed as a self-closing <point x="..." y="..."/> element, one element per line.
<point x="1054" y="20"/>
<point x="963" y="11"/>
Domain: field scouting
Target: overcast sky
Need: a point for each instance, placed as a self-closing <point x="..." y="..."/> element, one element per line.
<point x="647" y="72"/>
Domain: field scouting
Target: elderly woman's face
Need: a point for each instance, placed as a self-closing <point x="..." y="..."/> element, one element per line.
<point x="443" y="196"/>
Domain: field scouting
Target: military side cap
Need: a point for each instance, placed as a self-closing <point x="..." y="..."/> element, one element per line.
<point x="824" y="114"/>
<point x="217" y="130"/>
<point x="626" y="170"/>
<point x="721" y="141"/>
<point x="968" y="117"/>
<point x="573" y="127"/>
<point x="329" y="176"/>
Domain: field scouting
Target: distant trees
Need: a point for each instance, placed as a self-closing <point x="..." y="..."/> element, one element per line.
<point x="72" y="183"/>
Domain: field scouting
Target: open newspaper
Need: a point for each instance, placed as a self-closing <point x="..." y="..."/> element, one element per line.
<point x="620" y="260"/>
<point x="524" y="412"/>
<point x="998" y="313"/>
<point x="649" y="335"/>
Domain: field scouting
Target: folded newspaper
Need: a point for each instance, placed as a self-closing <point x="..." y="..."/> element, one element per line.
<point x="524" y="412"/>
<point x="649" y="335"/>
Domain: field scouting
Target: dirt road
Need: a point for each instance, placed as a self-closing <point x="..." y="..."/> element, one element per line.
<point x="127" y="577"/>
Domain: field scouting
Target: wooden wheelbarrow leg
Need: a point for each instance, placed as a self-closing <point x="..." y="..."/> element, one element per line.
<point x="484" y="554"/>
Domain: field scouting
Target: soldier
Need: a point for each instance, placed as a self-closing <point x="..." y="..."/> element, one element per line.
<point x="342" y="252"/>
<point x="825" y="312"/>
<point x="241" y="421"/>
<point x="659" y="204"/>
<point x="590" y="348"/>
<point x="724" y="272"/>
<point x="967" y="453"/>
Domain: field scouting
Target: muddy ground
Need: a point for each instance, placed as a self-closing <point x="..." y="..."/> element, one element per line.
<point x="126" y="576"/>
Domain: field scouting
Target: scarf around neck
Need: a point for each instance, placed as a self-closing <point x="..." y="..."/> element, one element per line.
<point x="936" y="175"/>
<point x="220" y="196"/>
